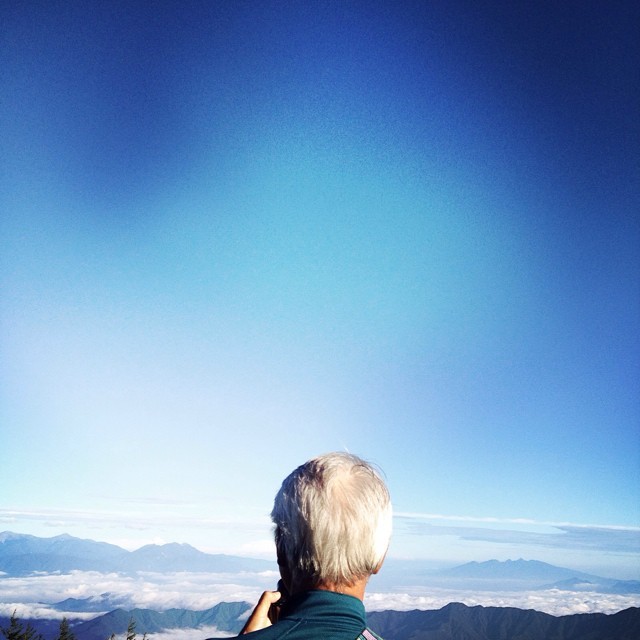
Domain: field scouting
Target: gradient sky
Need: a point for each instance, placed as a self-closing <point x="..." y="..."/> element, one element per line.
<point x="235" y="235"/>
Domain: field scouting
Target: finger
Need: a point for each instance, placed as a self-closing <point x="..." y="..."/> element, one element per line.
<point x="259" y="618"/>
<point x="267" y="599"/>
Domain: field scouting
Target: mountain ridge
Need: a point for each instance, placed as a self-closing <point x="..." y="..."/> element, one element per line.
<point x="225" y="616"/>
<point x="455" y="621"/>
<point x="515" y="569"/>
<point x="530" y="575"/>
<point x="24" y="554"/>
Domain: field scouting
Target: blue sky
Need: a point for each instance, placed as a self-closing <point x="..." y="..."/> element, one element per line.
<point x="237" y="235"/>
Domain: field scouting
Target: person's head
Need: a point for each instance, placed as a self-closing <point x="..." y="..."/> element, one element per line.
<point x="332" y="520"/>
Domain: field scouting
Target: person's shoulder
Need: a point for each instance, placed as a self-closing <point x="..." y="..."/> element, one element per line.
<point x="367" y="634"/>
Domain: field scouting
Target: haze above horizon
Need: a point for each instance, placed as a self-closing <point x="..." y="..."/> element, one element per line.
<point x="237" y="235"/>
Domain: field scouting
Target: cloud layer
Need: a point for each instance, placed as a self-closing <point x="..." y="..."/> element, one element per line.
<point x="553" y="601"/>
<point x="556" y="534"/>
<point x="199" y="591"/>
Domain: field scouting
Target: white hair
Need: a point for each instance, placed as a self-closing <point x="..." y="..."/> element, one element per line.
<point x="332" y="520"/>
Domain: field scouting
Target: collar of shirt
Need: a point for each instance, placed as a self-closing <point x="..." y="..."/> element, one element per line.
<point x="319" y="604"/>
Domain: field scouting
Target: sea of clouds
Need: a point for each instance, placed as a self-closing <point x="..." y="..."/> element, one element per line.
<point x="553" y="601"/>
<point x="157" y="591"/>
<point x="31" y="596"/>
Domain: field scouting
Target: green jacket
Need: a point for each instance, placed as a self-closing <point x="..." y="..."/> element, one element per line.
<point x="318" y="615"/>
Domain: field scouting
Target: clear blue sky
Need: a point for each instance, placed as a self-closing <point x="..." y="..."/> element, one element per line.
<point x="235" y="235"/>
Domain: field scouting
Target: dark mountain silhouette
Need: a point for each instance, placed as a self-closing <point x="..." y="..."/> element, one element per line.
<point x="454" y="622"/>
<point x="458" y="622"/>
<point x="225" y="616"/>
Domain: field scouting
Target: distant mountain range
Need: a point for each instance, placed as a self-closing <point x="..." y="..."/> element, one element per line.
<point x="513" y="570"/>
<point x="22" y="554"/>
<point x="453" y="622"/>
<point x="495" y="575"/>
<point x="94" y="604"/>
<point x="533" y="574"/>
<point x="459" y="622"/>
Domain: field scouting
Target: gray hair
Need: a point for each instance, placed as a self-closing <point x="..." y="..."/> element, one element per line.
<point x="332" y="520"/>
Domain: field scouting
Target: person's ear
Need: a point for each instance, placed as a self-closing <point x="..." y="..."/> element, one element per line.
<point x="379" y="564"/>
<point x="285" y="574"/>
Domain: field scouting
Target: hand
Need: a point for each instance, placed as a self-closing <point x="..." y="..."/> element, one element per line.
<point x="259" y="618"/>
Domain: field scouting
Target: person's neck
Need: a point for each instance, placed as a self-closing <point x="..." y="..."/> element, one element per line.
<point x="356" y="589"/>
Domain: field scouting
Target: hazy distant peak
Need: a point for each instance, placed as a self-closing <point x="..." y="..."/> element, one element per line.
<point x="514" y="570"/>
<point x="23" y="554"/>
<point x="5" y="536"/>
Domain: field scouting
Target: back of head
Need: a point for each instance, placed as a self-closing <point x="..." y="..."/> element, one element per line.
<point x="332" y="520"/>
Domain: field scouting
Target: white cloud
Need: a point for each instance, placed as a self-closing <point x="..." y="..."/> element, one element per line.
<point x="159" y="591"/>
<point x="518" y="521"/>
<point x="200" y="591"/>
<point x="553" y="601"/>
<point x="31" y="610"/>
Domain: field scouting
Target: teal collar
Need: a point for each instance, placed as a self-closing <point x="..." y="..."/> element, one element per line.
<point x="318" y="604"/>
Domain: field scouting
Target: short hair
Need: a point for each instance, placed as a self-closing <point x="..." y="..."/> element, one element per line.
<point x="332" y="520"/>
